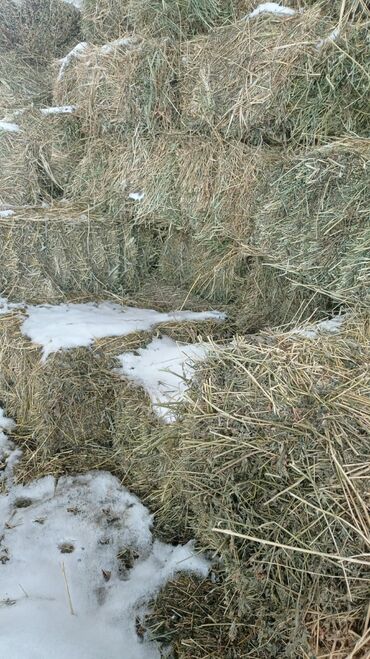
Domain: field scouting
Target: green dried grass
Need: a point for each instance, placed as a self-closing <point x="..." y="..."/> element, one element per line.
<point x="272" y="475"/>
<point x="37" y="161"/>
<point x="129" y="88"/>
<point x="22" y="83"/>
<point x="104" y="20"/>
<point x="48" y="253"/>
<point x="267" y="80"/>
<point x="314" y="227"/>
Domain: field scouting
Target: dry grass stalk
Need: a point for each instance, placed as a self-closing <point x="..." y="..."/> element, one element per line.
<point x="128" y="85"/>
<point x="48" y="253"/>
<point x="37" y="161"/>
<point x="268" y="79"/>
<point x="274" y="448"/>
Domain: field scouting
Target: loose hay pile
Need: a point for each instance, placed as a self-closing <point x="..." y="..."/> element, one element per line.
<point x="278" y="79"/>
<point x="127" y="85"/>
<point x="37" y="159"/>
<point x="22" y="83"/>
<point x="49" y="252"/>
<point x="271" y="466"/>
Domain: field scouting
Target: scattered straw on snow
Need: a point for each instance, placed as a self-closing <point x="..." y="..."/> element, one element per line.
<point x="79" y="565"/>
<point x="164" y="369"/>
<point x="9" y="454"/>
<point x="76" y="325"/>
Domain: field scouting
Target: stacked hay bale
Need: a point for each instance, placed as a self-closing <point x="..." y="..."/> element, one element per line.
<point x="48" y="253"/>
<point x="21" y="83"/>
<point x="269" y="469"/>
<point x="38" y="153"/>
<point x="125" y="85"/>
<point x="278" y="79"/>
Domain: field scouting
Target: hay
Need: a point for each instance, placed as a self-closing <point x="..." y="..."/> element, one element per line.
<point x="104" y="20"/>
<point x="120" y="87"/>
<point x="48" y="253"/>
<point x="39" y="29"/>
<point x="37" y="161"/>
<point x="268" y="79"/>
<point x="314" y="228"/>
<point x="273" y="448"/>
<point x="22" y="83"/>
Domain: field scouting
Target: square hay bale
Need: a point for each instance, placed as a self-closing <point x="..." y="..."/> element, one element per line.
<point x="104" y="20"/>
<point x="22" y="83"/>
<point x="49" y="252"/>
<point x="272" y="471"/>
<point x="278" y="79"/>
<point x="39" y="157"/>
<point x="39" y="29"/>
<point x="314" y="227"/>
<point x="127" y="85"/>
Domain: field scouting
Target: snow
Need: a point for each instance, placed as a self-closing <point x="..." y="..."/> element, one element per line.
<point x="333" y="36"/>
<point x="9" y="454"/>
<point x="7" y="213"/>
<point x="136" y="196"/>
<point x="9" y="127"/>
<point x="76" y="52"/>
<point x="63" y="590"/>
<point x="76" y="3"/>
<point x="74" y="325"/>
<point x="112" y="45"/>
<point x="164" y="369"/>
<point x="330" y="326"/>
<point x="6" y="307"/>
<point x="272" y="8"/>
<point x="60" y="109"/>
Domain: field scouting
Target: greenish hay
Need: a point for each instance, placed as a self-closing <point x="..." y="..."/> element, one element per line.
<point x="104" y="20"/>
<point x="314" y="227"/>
<point x="39" y="29"/>
<point x="269" y="80"/>
<point x="121" y="87"/>
<point x="22" y="83"/>
<point x="37" y="161"/>
<point x="48" y="253"/>
<point x="273" y="450"/>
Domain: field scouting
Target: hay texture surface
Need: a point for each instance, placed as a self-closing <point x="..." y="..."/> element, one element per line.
<point x="272" y="472"/>
<point x="47" y="253"/>
<point x="22" y="83"/>
<point x="38" y="158"/>
<point x="278" y="79"/>
<point x="314" y="227"/>
<point x="124" y="85"/>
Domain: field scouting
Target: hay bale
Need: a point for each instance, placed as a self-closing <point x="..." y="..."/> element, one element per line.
<point x="39" y="29"/>
<point x="273" y="448"/>
<point x="47" y="253"/>
<point x="127" y="85"/>
<point x="314" y="226"/>
<point x="104" y="20"/>
<point x="277" y="80"/>
<point x="38" y="159"/>
<point x="22" y="83"/>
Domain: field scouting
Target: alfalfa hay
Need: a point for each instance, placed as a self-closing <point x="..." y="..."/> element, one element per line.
<point x="126" y="85"/>
<point x="50" y="252"/>
<point x="278" y="79"/>
<point x="272" y="472"/>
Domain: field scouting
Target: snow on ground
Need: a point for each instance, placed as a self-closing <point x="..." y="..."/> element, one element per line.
<point x="163" y="368"/>
<point x="6" y="307"/>
<point x="75" y="325"/>
<point x="331" y="326"/>
<point x="63" y="590"/>
<point x="272" y="8"/>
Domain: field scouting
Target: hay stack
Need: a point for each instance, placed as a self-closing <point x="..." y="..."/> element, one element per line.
<point x="314" y="227"/>
<point x="49" y="252"/>
<point x="22" y="83"/>
<point x="274" y="449"/>
<point x="104" y="20"/>
<point x="38" y="159"/>
<point x="128" y="85"/>
<point x="277" y="79"/>
<point x="39" y="29"/>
